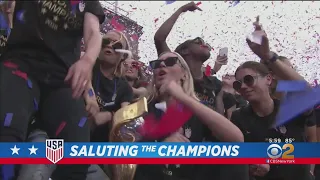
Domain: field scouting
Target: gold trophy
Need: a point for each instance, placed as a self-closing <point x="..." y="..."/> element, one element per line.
<point x="126" y="122"/>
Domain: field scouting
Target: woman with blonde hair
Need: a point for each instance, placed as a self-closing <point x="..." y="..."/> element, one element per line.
<point x="172" y="82"/>
<point x="111" y="90"/>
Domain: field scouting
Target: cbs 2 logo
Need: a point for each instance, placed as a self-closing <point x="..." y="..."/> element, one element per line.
<point x="275" y="151"/>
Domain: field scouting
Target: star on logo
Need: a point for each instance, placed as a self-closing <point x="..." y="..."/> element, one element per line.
<point x="15" y="150"/>
<point x="33" y="150"/>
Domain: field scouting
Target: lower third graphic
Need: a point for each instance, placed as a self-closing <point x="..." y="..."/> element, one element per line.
<point x="54" y="150"/>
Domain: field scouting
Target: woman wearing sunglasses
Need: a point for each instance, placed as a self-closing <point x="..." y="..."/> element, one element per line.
<point x="111" y="90"/>
<point x="133" y="73"/>
<point x="172" y="81"/>
<point x="253" y="81"/>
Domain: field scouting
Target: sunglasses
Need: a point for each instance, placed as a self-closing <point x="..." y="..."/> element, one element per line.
<point x="247" y="80"/>
<point x="171" y="61"/>
<point x="114" y="44"/>
<point x="200" y="41"/>
<point x="135" y="65"/>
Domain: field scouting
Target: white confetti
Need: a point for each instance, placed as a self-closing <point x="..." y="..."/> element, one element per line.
<point x="292" y="27"/>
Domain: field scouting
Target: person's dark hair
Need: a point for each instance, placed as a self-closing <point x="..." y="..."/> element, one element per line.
<point x="256" y="66"/>
<point x="141" y="79"/>
<point x="183" y="46"/>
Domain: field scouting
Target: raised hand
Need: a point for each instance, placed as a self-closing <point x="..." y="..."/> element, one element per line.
<point x="190" y="7"/>
<point x="261" y="50"/>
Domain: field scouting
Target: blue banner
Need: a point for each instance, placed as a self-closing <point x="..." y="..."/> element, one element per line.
<point x="162" y="150"/>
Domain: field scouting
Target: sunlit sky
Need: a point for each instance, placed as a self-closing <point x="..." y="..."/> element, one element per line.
<point x="293" y="29"/>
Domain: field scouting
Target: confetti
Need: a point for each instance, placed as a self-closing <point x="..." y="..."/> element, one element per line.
<point x="156" y="20"/>
<point x="291" y="86"/>
<point x="20" y="15"/>
<point x="8" y="119"/>
<point x="29" y="83"/>
<point x="20" y="74"/>
<point x="10" y="65"/>
<point x="35" y="104"/>
<point x="90" y="92"/>
<point x="82" y="121"/>
<point x="199" y="3"/>
<point x="60" y="128"/>
<point x="290" y="36"/>
<point x="170" y="2"/>
<point x="7" y="171"/>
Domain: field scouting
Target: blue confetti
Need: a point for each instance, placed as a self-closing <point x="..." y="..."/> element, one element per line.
<point x="29" y="83"/>
<point x="170" y="2"/>
<point x="234" y="3"/>
<point x="8" y="119"/>
<point x="7" y="171"/>
<point x="35" y="104"/>
<point x="296" y="103"/>
<point x="291" y="86"/>
<point x="20" y="15"/>
<point x="90" y="92"/>
<point x="82" y="122"/>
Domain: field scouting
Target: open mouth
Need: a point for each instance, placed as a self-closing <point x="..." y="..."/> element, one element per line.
<point x="108" y="51"/>
<point x="129" y="71"/>
<point x="161" y="73"/>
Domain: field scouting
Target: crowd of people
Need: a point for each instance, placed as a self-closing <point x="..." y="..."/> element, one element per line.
<point x="47" y="86"/>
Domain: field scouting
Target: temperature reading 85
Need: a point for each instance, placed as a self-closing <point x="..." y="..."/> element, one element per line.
<point x="289" y="140"/>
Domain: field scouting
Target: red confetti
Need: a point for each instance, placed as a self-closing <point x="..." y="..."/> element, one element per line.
<point x="199" y="3"/>
<point x="62" y="125"/>
<point x="212" y="49"/>
<point x="20" y="74"/>
<point x="74" y="2"/>
<point x="208" y="71"/>
<point x="117" y="25"/>
<point x="156" y="20"/>
<point x="10" y="65"/>
<point x="135" y="37"/>
<point x="134" y="8"/>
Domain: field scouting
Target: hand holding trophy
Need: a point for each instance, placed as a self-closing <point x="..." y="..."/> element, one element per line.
<point x="126" y="123"/>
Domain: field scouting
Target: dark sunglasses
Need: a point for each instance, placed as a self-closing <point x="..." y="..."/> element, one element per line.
<point x="200" y="41"/>
<point x="247" y="80"/>
<point x="135" y="65"/>
<point x="114" y="44"/>
<point x="171" y="61"/>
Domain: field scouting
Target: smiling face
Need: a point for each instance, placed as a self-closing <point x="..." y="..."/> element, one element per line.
<point x="253" y="85"/>
<point x="111" y="41"/>
<point x="168" y="69"/>
<point x="131" y="69"/>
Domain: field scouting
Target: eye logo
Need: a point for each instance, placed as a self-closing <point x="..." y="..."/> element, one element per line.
<point x="275" y="151"/>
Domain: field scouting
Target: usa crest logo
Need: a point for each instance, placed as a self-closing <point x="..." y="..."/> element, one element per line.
<point x="54" y="150"/>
